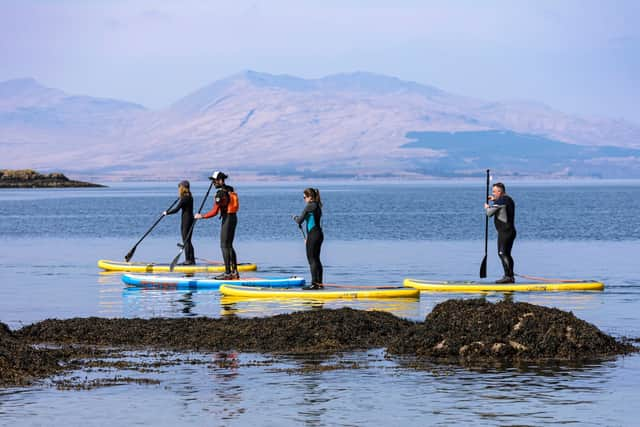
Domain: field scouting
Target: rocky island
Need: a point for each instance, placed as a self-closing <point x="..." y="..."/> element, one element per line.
<point x="28" y="178"/>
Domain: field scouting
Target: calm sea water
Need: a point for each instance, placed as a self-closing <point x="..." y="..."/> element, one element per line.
<point x="376" y="234"/>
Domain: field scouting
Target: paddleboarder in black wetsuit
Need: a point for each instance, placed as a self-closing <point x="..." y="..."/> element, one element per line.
<point x="503" y="211"/>
<point x="227" y="205"/>
<point x="311" y="214"/>
<point x="186" y="205"/>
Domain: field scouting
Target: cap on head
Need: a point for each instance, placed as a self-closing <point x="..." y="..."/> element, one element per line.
<point x="218" y="175"/>
<point x="184" y="184"/>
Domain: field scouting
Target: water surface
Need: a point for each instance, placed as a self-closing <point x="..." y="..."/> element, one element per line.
<point x="50" y="241"/>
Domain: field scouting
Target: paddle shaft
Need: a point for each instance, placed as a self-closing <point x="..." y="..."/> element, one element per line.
<point x="483" y="265"/>
<point x="129" y="255"/>
<point x="208" y="261"/>
<point x="177" y="257"/>
<point x="373" y="288"/>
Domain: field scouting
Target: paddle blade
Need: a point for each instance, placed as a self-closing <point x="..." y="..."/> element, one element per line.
<point x="129" y="254"/>
<point x="483" y="268"/>
<point x="175" y="261"/>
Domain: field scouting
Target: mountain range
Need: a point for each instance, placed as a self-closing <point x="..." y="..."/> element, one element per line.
<point x="356" y="125"/>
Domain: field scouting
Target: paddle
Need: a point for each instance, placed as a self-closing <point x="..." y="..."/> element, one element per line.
<point x="208" y="261"/>
<point x="373" y="288"/>
<point x="483" y="265"/>
<point x="129" y="254"/>
<point x="177" y="257"/>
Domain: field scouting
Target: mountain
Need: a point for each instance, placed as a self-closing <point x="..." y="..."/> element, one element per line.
<point x="46" y="128"/>
<point x="345" y="125"/>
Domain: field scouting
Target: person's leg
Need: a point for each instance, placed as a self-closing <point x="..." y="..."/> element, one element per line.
<point x="309" y="252"/>
<point x="189" y="254"/>
<point x="314" y="244"/>
<point x="225" y="248"/>
<point x="505" y="244"/>
<point x="233" y="259"/>
<point x="316" y="256"/>
<point x="508" y="245"/>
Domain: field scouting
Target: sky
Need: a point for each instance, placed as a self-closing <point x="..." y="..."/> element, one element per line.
<point x="577" y="56"/>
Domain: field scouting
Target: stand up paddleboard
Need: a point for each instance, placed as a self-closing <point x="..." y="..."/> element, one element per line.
<point x="530" y="286"/>
<point x="318" y="294"/>
<point x="152" y="267"/>
<point x="186" y="282"/>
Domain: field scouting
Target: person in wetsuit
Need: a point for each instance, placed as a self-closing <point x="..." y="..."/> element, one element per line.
<point x="503" y="211"/>
<point x="311" y="214"/>
<point x="185" y="205"/>
<point x="227" y="205"/>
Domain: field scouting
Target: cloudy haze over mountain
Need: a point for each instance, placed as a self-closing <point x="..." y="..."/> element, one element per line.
<point x="579" y="56"/>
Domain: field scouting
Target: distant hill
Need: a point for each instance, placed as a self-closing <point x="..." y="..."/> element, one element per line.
<point x="353" y="125"/>
<point x="466" y="153"/>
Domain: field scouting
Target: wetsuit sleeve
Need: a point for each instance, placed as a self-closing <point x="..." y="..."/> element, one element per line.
<point x="213" y="212"/>
<point x="497" y="206"/>
<point x="499" y="210"/>
<point x="493" y="209"/>
<point x="303" y="215"/>
<point x="177" y="207"/>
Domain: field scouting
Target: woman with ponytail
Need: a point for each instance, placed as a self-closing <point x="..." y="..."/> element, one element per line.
<point x="311" y="214"/>
<point x="186" y="206"/>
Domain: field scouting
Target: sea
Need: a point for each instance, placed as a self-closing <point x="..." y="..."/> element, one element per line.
<point x="376" y="234"/>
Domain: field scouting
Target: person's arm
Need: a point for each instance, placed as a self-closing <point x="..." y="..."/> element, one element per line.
<point x="220" y="200"/>
<point x="303" y="215"/>
<point x="493" y="209"/>
<point x="176" y="208"/>
<point x="213" y="212"/>
<point x="498" y="208"/>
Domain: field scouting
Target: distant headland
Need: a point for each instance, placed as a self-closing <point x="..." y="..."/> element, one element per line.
<point x="28" y="178"/>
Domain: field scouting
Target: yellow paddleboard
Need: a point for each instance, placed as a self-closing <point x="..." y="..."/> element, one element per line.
<point x="326" y="293"/>
<point x="150" y="267"/>
<point x="470" y="286"/>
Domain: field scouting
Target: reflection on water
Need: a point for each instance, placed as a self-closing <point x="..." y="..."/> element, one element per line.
<point x="254" y="307"/>
<point x="355" y="388"/>
<point x="146" y="303"/>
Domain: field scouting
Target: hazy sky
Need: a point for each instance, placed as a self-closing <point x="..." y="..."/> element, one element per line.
<point x="578" y="56"/>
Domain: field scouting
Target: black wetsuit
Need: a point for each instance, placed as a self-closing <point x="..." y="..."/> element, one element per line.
<point x="227" y="228"/>
<point x="312" y="214"/>
<point x="503" y="211"/>
<point x="186" y="205"/>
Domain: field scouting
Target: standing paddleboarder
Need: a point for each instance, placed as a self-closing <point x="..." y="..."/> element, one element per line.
<point x="226" y="204"/>
<point x="503" y="211"/>
<point x="186" y="205"/>
<point x="311" y="214"/>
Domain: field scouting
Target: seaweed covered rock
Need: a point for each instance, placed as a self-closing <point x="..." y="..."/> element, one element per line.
<point x="467" y="331"/>
<point x="476" y="330"/>
<point x="20" y="363"/>
<point x="300" y="332"/>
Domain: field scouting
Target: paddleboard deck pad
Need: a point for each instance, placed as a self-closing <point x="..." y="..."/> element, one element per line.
<point x="192" y="282"/>
<point x="151" y="267"/>
<point x="318" y="294"/>
<point x="530" y="286"/>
